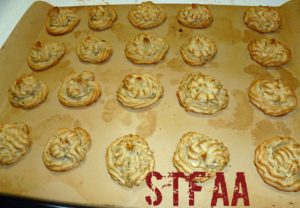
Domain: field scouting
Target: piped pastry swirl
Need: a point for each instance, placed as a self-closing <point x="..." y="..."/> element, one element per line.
<point x="101" y="17"/>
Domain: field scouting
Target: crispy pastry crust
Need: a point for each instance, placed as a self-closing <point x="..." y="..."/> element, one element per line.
<point x="129" y="160"/>
<point x="139" y="90"/>
<point x="146" y="48"/>
<point x="79" y="89"/>
<point x="278" y="162"/>
<point x="202" y="94"/>
<point x="262" y="19"/>
<point x="94" y="50"/>
<point x="66" y="149"/>
<point x="269" y="52"/>
<point x="14" y="142"/>
<point x="198" y="50"/>
<point x="102" y="17"/>
<point x="61" y="21"/>
<point x="147" y="15"/>
<point x="45" y="55"/>
<point x="197" y="152"/>
<point x="272" y="97"/>
<point x="27" y="92"/>
<point x="195" y="16"/>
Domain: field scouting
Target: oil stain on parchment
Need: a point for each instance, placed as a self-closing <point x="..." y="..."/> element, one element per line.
<point x="50" y="125"/>
<point x="258" y="72"/>
<point x="123" y="33"/>
<point x="266" y="129"/>
<point x="289" y="79"/>
<point x="250" y="35"/>
<point x="230" y="34"/>
<point x="177" y="65"/>
<point x="243" y="114"/>
<point x="147" y="124"/>
<point x="111" y="110"/>
<point x="126" y="119"/>
<point x="174" y="82"/>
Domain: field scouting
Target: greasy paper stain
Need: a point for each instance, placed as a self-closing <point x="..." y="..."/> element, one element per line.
<point x="258" y="72"/>
<point x="123" y="33"/>
<point x="174" y="82"/>
<point x="50" y="125"/>
<point x="266" y="129"/>
<point x="250" y="35"/>
<point x="77" y="34"/>
<point x="177" y="65"/>
<point x="111" y="110"/>
<point x="242" y="117"/>
<point x="126" y="119"/>
<point x="231" y="33"/>
<point x="147" y="124"/>
<point x="289" y="79"/>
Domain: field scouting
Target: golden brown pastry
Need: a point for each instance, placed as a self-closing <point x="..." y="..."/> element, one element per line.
<point x="61" y="21"/>
<point x="198" y="50"/>
<point x="27" y="92"/>
<point x="262" y="19"/>
<point x="202" y="94"/>
<point x="277" y="160"/>
<point x="14" y="142"/>
<point x="102" y="17"/>
<point x="45" y="55"/>
<point x="147" y="15"/>
<point x="79" y="89"/>
<point x="66" y="149"/>
<point x="139" y="90"/>
<point x="146" y="48"/>
<point x="269" y="52"/>
<point x="197" y="152"/>
<point x="195" y="16"/>
<point x="272" y="97"/>
<point x="129" y="160"/>
<point x="94" y="50"/>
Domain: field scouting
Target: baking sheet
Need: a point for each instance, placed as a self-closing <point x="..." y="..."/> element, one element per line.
<point x="241" y="126"/>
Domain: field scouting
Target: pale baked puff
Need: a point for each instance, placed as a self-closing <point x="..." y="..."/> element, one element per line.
<point x="195" y="16"/>
<point x="79" y="89"/>
<point x="198" y="50"/>
<point x="94" y="50"/>
<point x="269" y="52"/>
<point x="146" y="48"/>
<point x="272" y="97"/>
<point x="262" y="19"/>
<point x="66" y="149"/>
<point x="27" y="92"/>
<point x="45" y="55"/>
<point x="102" y="17"/>
<point x="147" y="15"/>
<point x="129" y="160"/>
<point x="277" y="160"/>
<point x="202" y="94"/>
<point x="15" y="142"/>
<point x="196" y="152"/>
<point x="139" y="90"/>
<point x="61" y="21"/>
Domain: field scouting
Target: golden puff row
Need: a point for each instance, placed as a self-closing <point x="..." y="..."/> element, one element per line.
<point x="129" y="158"/>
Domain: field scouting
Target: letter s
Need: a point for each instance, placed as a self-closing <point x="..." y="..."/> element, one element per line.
<point x="157" y="192"/>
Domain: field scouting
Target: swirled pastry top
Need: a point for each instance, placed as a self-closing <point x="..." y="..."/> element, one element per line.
<point x="27" y="92"/>
<point x="139" y="90"/>
<point x="269" y="52"/>
<point x="278" y="162"/>
<point x="146" y="48"/>
<point x="61" y="21"/>
<point x="197" y="152"/>
<point x="147" y="15"/>
<point x="94" y="50"/>
<point x="262" y="19"/>
<point x="202" y="94"/>
<point x="79" y="89"/>
<point x="102" y="17"/>
<point x="195" y="16"/>
<point x="66" y="149"/>
<point x="198" y="50"/>
<point x="129" y="160"/>
<point x="14" y="142"/>
<point x="272" y="97"/>
<point x="44" y="55"/>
